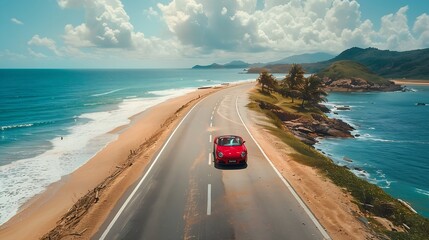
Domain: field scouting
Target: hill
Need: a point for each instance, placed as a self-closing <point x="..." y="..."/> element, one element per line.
<point x="303" y="58"/>
<point x="232" y="64"/>
<point x="348" y="69"/>
<point x="389" y="64"/>
<point x="352" y="76"/>
<point x="392" y="64"/>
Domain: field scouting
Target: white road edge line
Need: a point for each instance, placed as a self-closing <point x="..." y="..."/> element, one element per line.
<point x="144" y="177"/>
<point x="209" y="199"/>
<point x="210" y="158"/>
<point x="303" y="205"/>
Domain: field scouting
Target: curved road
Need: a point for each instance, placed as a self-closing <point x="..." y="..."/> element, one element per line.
<point x="183" y="196"/>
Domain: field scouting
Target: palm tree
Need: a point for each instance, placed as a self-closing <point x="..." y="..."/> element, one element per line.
<point x="312" y="92"/>
<point x="267" y="81"/>
<point x="292" y="82"/>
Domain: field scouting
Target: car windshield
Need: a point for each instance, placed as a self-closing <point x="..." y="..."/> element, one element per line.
<point x="230" y="141"/>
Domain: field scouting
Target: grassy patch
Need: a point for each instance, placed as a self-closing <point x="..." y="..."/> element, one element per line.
<point x="369" y="197"/>
<point x="348" y="69"/>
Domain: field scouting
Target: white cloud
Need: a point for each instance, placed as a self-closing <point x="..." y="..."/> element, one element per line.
<point x="343" y="15"/>
<point x="36" y="54"/>
<point x="293" y="26"/>
<point x="77" y="36"/>
<point x="16" y="21"/>
<point x="106" y="25"/>
<point x="211" y="25"/>
<point x="36" y="40"/>
<point x="7" y="54"/>
<point x="226" y="27"/>
<point x="421" y="29"/>
<point x="394" y="32"/>
<point x="151" y="13"/>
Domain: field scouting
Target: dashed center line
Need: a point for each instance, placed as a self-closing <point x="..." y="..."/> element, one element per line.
<point x="209" y="199"/>
<point x="210" y="138"/>
<point x="210" y="158"/>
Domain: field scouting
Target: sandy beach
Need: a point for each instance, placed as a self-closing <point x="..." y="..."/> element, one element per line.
<point x="330" y="204"/>
<point x="411" y="82"/>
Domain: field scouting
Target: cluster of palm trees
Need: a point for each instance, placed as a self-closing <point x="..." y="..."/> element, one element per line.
<point x="295" y="86"/>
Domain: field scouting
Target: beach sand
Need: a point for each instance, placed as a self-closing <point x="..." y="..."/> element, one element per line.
<point x="331" y="205"/>
<point x="411" y="82"/>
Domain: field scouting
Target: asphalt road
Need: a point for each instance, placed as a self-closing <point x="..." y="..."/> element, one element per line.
<point x="183" y="196"/>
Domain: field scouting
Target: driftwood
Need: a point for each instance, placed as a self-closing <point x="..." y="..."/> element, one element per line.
<point x="67" y="224"/>
<point x="97" y="196"/>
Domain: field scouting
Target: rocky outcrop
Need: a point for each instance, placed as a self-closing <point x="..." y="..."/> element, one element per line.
<point x="309" y="128"/>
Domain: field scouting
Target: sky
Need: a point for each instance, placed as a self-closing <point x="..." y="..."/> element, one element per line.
<point x="183" y="33"/>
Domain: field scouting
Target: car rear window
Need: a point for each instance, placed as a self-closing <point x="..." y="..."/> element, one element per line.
<point x="229" y="141"/>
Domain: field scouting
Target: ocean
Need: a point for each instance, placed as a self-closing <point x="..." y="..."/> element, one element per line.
<point x="53" y="121"/>
<point x="391" y="149"/>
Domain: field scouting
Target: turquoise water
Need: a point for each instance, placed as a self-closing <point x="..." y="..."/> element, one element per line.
<point x="53" y="121"/>
<point x="392" y="147"/>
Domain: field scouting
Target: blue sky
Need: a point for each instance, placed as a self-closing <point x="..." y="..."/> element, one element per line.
<point x="182" y="33"/>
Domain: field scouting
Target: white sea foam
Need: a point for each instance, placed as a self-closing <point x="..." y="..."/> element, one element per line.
<point x="369" y="137"/>
<point x="16" y="126"/>
<point x="379" y="180"/>
<point x="172" y="92"/>
<point x="106" y="93"/>
<point x="361" y="173"/>
<point x="23" y="179"/>
<point x="421" y="191"/>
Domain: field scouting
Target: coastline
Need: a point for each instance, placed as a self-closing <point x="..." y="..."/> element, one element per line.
<point x="41" y="213"/>
<point x="332" y="205"/>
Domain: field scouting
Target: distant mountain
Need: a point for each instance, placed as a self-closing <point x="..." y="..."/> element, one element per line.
<point x="389" y="64"/>
<point x="392" y="64"/>
<point x="304" y="58"/>
<point x="237" y="64"/>
<point x="233" y="64"/>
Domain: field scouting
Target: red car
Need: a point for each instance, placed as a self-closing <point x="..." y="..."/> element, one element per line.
<point x="229" y="150"/>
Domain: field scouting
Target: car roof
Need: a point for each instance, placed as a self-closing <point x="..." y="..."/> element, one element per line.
<point x="229" y="136"/>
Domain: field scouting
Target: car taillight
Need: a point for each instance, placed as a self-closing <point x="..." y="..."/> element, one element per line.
<point x="220" y="154"/>
<point x="243" y="154"/>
